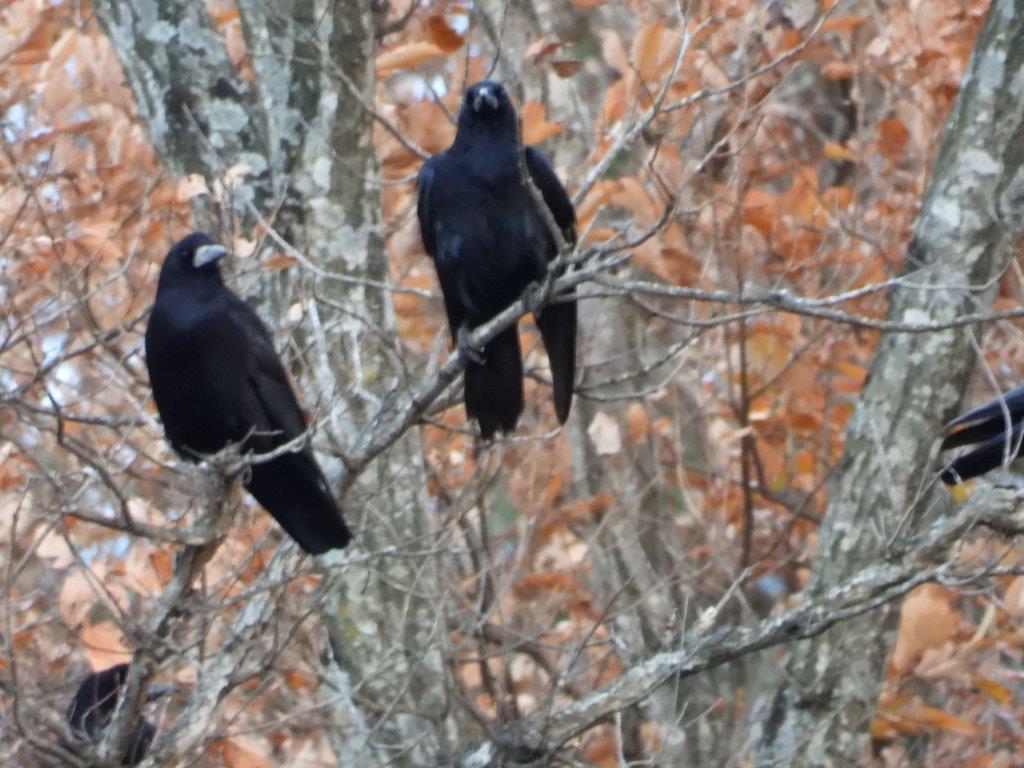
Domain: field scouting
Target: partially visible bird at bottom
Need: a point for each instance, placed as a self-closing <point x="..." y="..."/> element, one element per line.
<point x="218" y="381"/>
<point x="994" y="430"/>
<point x="94" y="703"/>
<point x="490" y="241"/>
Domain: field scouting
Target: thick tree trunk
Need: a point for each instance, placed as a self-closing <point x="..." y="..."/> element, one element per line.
<point x="969" y="220"/>
<point x="306" y="144"/>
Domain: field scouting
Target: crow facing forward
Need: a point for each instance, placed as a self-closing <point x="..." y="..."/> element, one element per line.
<point x="489" y="242"/>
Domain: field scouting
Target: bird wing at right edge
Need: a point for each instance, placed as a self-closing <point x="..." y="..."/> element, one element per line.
<point x="271" y="388"/>
<point x="557" y="322"/>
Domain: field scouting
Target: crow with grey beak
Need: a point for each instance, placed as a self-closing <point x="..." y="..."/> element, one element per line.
<point x="490" y="242"/>
<point x="218" y="381"/>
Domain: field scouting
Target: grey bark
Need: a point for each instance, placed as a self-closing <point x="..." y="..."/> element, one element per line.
<point x="964" y="238"/>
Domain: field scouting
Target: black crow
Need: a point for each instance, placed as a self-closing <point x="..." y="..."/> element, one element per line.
<point x="998" y="426"/>
<point x="217" y="380"/>
<point x="489" y="241"/>
<point x="93" y="705"/>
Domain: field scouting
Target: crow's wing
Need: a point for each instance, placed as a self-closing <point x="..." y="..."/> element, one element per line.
<point x="291" y="487"/>
<point x="271" y="405"/>
<point x="985" y="457"/>
<point x="424" y="207"/>
<point x="444" y="237"/>
<point x="553" y="192"/>
<point x="987" y="421"/>
<point x="557" y="322"/>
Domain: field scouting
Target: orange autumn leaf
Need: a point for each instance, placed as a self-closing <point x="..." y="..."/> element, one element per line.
<point x="935" y="719"/>
<point x="837" y="198"/>
<point x="838" y="70"/>
<point x="998" y="693"/>
<point x="602" y="751"/>
<point x="927" y="620"/>
<point x="804" y="462"/>
<point x="834" y="151"/>
<point x="408" y="56"/>
<point x="541" y="48"/>
<point x="566" y="68"/>
<point x="278" y="261"/>
<point x="638" y="423"/>
<point x="759" y="218"/>
<point x="300" y="681"/>
<point x="647" y="50"/>
<point x="442" y="35"/>
<point x="892" y="137"/>
<point x="536" y="128"/>
<point x="533" y="584"/>
<point x="104" y="645"/>
<point x="843" y="24"/>
<point x="162" y="563"/>
<point x="234" y="755"/>
<point x="789" y="39"/>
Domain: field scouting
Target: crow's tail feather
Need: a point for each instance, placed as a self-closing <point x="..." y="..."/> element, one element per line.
<point x="557" y="323"/>
<point x="293" y="489"/>
<point x="986" y="421"/>
<point x="494" y="390"/>
<point x="985" y="457"/>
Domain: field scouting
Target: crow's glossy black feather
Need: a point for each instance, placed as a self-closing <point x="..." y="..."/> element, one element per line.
<point x="93" y="705"/>
<point x="489" y="241"/>
<point x="217" y="380"/>
<point x="995" y="431"/>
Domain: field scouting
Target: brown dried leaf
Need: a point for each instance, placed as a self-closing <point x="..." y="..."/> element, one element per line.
<point x="536" y="127"/>
<point x="834" y="151"/>
<point x="638" y="423"/>
<point x="566" y="68"/>
<point x="927" y="620"/>
<point x="541" y="48"/>
<point x="104" y="645"/>
<point x="442" y="35"/>
<point x="838" y="70"/>
<point x="647" y="50"/>
<point x="161" y="561"/>
<point x="234" y="755"/>
<point x="278" y="261"/>
<point x="408" y="56"/>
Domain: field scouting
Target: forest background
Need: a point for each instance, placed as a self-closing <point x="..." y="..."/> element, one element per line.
<point x="799" y="229"/>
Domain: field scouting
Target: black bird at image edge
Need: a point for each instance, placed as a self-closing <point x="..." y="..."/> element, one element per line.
<point x="994" y="430"/>
<point x="94" y="703"/>
<point x="217" y="380"/>
<point x="489" y="242"/>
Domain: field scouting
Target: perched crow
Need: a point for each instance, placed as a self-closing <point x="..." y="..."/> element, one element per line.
<point x="218" y="381"/>
<point x="489" y="241"/>
<point x="93" y="705"/>
<point x="998" y="426"/>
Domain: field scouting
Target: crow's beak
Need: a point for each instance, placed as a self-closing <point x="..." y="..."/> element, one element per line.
<point x="156" y="690"/>
<point x="208" y="254"/>
<point x="484" y="96"/>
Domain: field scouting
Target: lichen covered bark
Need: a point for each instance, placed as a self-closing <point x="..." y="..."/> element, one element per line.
<point x="964" y="238"/>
